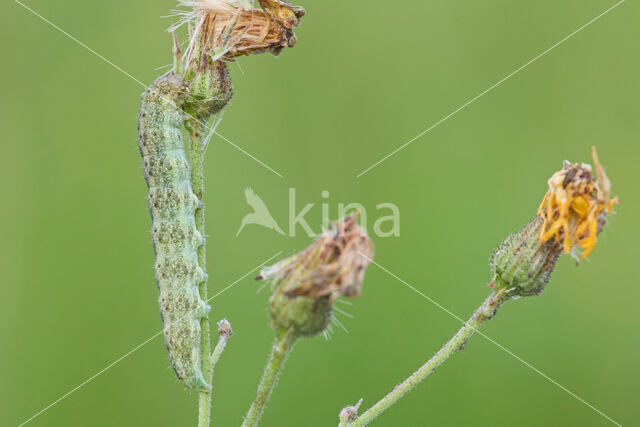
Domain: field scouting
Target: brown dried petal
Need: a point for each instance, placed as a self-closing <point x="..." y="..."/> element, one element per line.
<point x="227" y="28"/>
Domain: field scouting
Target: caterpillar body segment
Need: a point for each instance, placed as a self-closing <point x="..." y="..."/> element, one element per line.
<point x="175" y="239"/>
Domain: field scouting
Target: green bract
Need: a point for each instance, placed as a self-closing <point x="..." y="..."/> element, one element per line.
<point x="522" y="265"/>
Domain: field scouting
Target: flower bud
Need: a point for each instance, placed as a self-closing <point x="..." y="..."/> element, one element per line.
<point x="569" y="219"/>
<point x="523" y="265"/>
<point x="209" y="91"/>
<point x="306" y="284"/>
<point x="307" y="316"/>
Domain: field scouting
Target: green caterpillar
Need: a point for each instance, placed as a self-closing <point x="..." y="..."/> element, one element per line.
<point x="175" y="238"/>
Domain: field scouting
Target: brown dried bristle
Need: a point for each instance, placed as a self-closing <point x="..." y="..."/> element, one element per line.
<point x="227" y="30"/>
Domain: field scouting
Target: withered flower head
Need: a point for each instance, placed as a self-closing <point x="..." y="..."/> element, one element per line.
<point x="306" y="284"/>
<point x="575" y="207"/>
<point x="224" y="329"/>
<point x="332" y="266"/>
<point x="571" y="215"/>
<point x="349" y="413"/>
<point x="225" y="29"/>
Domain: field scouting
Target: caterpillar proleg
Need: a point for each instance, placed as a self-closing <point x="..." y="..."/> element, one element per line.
<point x="175" y="238"/>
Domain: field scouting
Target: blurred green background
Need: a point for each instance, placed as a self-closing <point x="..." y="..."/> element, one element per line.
<point x="76" y="259"/>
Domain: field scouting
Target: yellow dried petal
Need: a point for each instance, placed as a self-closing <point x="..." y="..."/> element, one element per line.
<point x="575" y="206"/>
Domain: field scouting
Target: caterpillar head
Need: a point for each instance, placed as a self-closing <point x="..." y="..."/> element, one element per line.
<point x="170" y="86"/>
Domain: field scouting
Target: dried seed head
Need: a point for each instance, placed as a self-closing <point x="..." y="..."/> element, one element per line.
<point x="349" y="413"/>
<point x="575" y="207"/>
<point x="225" y="29"/>
<point x="333" y="266"/>
<point x="306" y="284"/>
<point x="571" y="215"/>
<point x="224" y="329"/>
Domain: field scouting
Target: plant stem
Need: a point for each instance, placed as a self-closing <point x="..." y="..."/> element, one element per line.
<point x="197" y="182"/>
<point x="215" y="356"/>
<point x="225" y="333"/>
<point x="285" y="338"/>
<point x="458" y="342"/>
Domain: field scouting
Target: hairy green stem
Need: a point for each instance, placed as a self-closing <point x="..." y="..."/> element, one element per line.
<point x="217" y="351"/>
<point x="197" y="182"/>
<point x="285" y="338"/>
<point x="225" y="333"/>
<point x="458" y="342"/>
